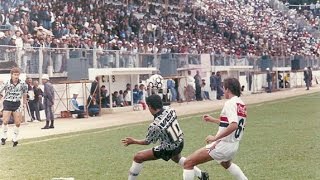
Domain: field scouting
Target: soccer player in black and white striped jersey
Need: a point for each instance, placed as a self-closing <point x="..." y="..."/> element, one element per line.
<point x="15" y="90"/>
<point x="165" y="129"/>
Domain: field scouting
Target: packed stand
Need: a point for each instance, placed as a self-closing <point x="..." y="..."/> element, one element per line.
<point x="235" y="27"/>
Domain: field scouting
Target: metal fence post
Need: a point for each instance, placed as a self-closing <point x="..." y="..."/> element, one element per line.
<point x="117" y="59"/>
<point x="94" y="57"/>
<point x="40" y="63"/>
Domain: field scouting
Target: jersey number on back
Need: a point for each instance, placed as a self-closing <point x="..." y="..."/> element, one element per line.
<point x="174" y="131"/>
<point x="240" y="128"/>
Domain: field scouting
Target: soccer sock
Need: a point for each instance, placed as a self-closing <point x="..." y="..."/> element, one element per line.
<point x="4" y="130"/>
<point x="134" y="170"/>
<point x="236" y="172"/>
<point x="197" y="171"/>
<point x="181" y="161"/>
<point x="15" y="134"/>
<point x="188" y="174"/>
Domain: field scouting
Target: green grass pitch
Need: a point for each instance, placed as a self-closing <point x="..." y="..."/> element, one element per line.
<point x="281" y="141"/>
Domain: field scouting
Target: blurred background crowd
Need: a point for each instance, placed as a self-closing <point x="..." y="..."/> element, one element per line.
<point x="237" y="27"/>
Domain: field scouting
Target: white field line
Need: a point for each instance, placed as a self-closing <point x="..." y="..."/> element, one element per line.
<point x="79" y="134"/>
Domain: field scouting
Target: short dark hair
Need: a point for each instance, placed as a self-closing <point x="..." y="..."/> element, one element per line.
<point x="154" y="101"/>
<point x="15" y="70"/>
<point x="233" y="85"/>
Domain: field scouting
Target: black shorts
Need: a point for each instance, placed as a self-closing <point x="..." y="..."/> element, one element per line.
<point x="167" y="154"/>
<point x="11" y="106"/>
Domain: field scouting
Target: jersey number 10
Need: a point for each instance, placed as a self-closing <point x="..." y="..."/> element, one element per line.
<point x="174" y="131"/>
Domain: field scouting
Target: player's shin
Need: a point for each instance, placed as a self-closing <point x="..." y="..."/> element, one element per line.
<point x="188" y="174"/>
<point x="134" y="170"/>
<point x="15" y="134"/>
<point x="237" y="172"/>
<point x="4" y="131"/>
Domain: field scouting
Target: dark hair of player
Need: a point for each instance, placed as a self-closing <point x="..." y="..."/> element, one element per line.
<point x="155" y="102"/>
<point x="15" y="70"/>
<point x="233" y="85"/>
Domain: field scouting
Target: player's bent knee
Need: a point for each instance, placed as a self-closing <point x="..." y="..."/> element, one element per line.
<point x="226" y="165"/>
<point x="139" y="157"/>
<point x="189" y="164"/>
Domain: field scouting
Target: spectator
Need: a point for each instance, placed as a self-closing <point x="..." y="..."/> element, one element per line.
<point x="37" y="105"/>
<point x="219" y="86"/>
<point x="116" y="100"/>
<point x="93" y="107"/>
<point x="204" y="91"/>
<point x="127" y="98"/>
<point x="138" y="95"/>
<point x="269" y="80"/>
<point x="307" y="77"/>
<point x="197" y="80"/>
<point x="121" y="98"/>
<point x="48" y="101"/>
<point x="190" y="88"/>
<point x="104" y="98"/>
<point x="75" y="108"/>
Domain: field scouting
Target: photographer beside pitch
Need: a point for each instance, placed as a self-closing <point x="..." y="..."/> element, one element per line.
<point x="165" y="129"/>
<point x="224" y="145"/>
<point x="15" y="90"/>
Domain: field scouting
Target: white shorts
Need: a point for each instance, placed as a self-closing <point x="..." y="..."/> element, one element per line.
<point x="224" y="151"/>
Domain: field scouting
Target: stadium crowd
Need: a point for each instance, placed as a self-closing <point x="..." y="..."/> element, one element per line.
<point x="235" y="27"/>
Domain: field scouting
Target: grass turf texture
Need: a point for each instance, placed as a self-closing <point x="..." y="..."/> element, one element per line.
<point x="281" y="141"/>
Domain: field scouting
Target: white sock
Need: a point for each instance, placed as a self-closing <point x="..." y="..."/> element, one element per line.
<point x="181" y="161"/>
<point x="4" y="131"/>
<point x="15" y="134"/>
<point x="236" y="172"/>
<point x="197" y="171"/>
<point x="134" y="170"/>
<point x="188" y="174"/>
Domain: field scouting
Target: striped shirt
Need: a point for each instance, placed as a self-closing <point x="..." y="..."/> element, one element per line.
<point x="13" y="93"/>
<point x="165" y="129"/>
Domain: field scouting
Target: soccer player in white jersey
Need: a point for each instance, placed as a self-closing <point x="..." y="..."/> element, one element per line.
<point x="15" y="90"/>
<point x="223" y="146"/>
<point x="165" y="129"/>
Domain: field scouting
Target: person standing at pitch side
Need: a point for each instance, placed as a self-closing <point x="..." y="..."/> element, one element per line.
<point x="15" y="90"/>
<point x="48" y="101"/>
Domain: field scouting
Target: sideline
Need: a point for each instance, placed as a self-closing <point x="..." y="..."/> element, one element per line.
<point x="80" y="133"/>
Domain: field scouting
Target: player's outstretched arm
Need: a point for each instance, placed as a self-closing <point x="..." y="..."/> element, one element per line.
<point x="232" y="127"/>
<point x="129" y="140"/>
<point x="209" y="118"/>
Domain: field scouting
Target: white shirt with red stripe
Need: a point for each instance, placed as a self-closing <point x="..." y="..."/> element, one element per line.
<point x="234" y="110"/>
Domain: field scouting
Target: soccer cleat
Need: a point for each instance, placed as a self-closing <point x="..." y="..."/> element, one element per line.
<point x="204" y="175"/>
<point x="3" y="141"/>
<point x="15" y="143"/>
